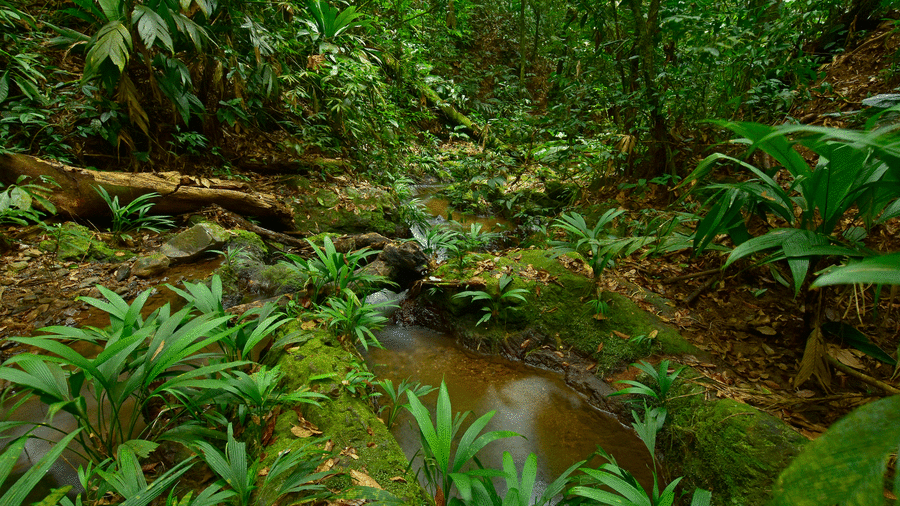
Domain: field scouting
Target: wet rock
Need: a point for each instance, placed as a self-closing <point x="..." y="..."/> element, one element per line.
<point x="585" y="382"/>
<point x="122" y="273"/>
<point x="346" y="210"/>
<point x="403" y="263"/>
<point x="150" y="265"/>
<point x="371" y="240"/>
<point x="195" y="241"/>
<point x="89" y="282"/>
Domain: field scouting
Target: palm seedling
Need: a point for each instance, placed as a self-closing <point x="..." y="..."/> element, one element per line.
<point x="496" y="306"/>
<point x="134" y="215"/>
<point x="663" y="380"/>
<point x="444" y="462"/>
<point x="351" y="317"/>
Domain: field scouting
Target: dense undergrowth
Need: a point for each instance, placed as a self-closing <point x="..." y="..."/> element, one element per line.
<point x="545" y="106"/>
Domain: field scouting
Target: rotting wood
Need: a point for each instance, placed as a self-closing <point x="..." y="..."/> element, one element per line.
<point x="77" y="198"/>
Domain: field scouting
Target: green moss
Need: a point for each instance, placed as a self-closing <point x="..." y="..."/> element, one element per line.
<point x="76" y="242"/>
<point x="347" y="420"/>
<point x="722" y="445"/>
<point x="558" y="309"/>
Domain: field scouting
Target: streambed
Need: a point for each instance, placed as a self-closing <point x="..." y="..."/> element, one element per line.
<point x="557" y="423"/>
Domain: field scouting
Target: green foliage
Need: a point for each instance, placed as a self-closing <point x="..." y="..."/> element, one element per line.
<point x="884" y="269"/>
<point x="466" y="240"/>
<point x="253" y="327"/>
<point x="338" y="271"/>
<point x="496" y="306"/>
<point x="404" y="387"/>
<point x="17" y="492"/>
<point x="143" y="361"/>
<point x="444" y="461"/>
<point x="17" y="201"/>
<point x="260" y="392"/>
<point x="133" y="216"/>
<point x="350" y="317"/>
<point x="293" y="472"/>
<point x="848" y="464"/>
<point x="478" y="488"/>
<point x="594" y="243"/>
<point x="328" y="24"/>
<point x="857" y="172"/>
<point x="661" y="376"/>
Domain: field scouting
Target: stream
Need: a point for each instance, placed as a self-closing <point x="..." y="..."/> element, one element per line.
<point x="557" y="423"/>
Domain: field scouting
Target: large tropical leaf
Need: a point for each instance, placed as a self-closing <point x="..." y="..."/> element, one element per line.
<point x="883" y="269"/>
<point x="113" y="43"/>
<point x="848" y="463"/>
<point x="152" y="27"/>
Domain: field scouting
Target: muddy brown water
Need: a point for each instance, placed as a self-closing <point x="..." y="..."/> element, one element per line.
<point x="557" y="423"/>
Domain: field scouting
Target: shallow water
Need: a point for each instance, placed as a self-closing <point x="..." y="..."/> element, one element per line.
<point x="558" y="425"/>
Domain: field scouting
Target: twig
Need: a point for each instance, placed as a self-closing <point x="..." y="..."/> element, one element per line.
<point x="691" y="276"/>
<point x="702" y="288"/>
<point x="865" y="378"/>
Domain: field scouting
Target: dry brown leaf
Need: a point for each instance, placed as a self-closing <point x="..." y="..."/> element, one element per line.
<point x="813" y="362"/>
<point x="845" y="356"/>
<point x="363" y="480"/>
<point x="398" y="479"/>
<point x="308" y="325"/>
<point x="621" y="335"/>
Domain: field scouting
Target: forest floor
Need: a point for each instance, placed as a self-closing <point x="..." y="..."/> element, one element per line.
<point x="752" y="327"/>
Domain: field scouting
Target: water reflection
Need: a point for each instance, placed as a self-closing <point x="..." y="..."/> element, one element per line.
<point x="557" y="424"/>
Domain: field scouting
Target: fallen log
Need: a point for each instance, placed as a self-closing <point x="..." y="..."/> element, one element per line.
<point x="77" y="198"/>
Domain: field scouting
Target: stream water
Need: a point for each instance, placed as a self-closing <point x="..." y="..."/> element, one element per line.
<point x="556" y="423"/>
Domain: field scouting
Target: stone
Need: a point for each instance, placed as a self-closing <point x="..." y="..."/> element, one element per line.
<point x="18" y="266"/>
<point x="406" y="260"/>
<point x="195" y="241"/>
<point x="150" y="265"/>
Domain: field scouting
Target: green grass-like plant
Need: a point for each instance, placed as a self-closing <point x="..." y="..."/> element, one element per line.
<point x="351" y="317"/>
<point x="444" y="461"/>
<point x="333" y="269"/>
<point x="663" y="381"/>
<point x="142" y="361"/>
<point x="134" y="215"/>
<point x="496" y="306"/>
<point x="395" y="394"/>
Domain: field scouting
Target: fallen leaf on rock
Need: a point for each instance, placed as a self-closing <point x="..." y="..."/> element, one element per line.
<point x="621" y="335"/>
<point x="398" y="479"/>
<point x="308" y="325"/>
<point x="363" y="480"/>
<point x="653" y="333"/>
<point x="307" y="429"/>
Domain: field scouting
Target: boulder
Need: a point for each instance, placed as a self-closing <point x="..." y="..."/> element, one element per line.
<point x="194" y="241"/>
<point x="150" y="265"/>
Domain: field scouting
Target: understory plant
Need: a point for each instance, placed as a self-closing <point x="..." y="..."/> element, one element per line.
<point x="403" y="388"/>
<point x="497" y="305"/>
<point x="596" y="244"/>
<point x="357" y="319"/>
<point x="134" y="215"/>
<point x="662" y="381"/>
<point x="445" y="459"/>
<point x="856" y="182"/>
<point x="333" y="269"/>
<point x="17" y="201"/>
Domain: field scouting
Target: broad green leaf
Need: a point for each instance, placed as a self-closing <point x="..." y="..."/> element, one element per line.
<point x="151" y="27"/>
<point x="848" y="463"/>
<point x="883" y="269"/>
<point x="113" y="42"/>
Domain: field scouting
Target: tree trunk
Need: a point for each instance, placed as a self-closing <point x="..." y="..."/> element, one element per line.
<point x="77" y="198"/>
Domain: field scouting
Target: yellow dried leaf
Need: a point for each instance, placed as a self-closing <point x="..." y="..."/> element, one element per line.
<point x="308" y="325"/>
<point x="363" y="480"/>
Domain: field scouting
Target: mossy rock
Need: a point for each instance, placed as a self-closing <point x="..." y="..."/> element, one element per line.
<point x="730" y="448"/>
<point x="346" y="419"/>
<point x="346" y="210"/>
<point x="76" y="242"/>
<point x="558" y="308"/>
